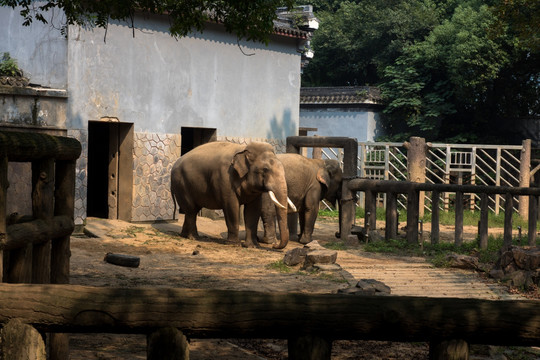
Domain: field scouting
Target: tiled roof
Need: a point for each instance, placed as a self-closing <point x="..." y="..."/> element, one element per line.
<point x="287" y="30"/>
<point x="348" y="95"/>
<point x="299" y="22"/>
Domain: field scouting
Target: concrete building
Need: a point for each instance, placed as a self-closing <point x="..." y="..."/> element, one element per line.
<point x="350" y="111"/>
<point x="138" y="98"/>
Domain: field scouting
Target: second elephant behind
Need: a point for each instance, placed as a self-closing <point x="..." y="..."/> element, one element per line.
<point x="308" y="182"/>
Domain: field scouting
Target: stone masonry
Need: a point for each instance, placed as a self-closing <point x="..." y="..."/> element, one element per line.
<point x="153" y="158"/>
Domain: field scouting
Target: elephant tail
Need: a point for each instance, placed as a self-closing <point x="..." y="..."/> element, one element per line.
<point x="174" y="202"/>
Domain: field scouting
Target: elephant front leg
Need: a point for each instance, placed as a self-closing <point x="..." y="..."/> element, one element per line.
<point x="252" y="213"/>
<point x="189" y="228"/>
<point x="232" y="219"/>
<point x="307" y="223"/>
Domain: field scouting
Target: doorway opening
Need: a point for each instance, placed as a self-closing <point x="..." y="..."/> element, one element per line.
<point x="110" y="170"/>
<point x="195" y="136"/>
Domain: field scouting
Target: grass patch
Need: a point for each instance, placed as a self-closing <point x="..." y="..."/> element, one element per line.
<point x="279" y="266"/>
<point x="132" y="231"/>
<point x="332" y="277"/>
<point x="436" y="253"/>
<point x="335" y="245"/>
<point x="470" y="218"/>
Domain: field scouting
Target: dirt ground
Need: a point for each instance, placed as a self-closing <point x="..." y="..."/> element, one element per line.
<point x="167" y="260"/>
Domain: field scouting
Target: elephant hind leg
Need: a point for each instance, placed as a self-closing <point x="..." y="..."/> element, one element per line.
<point x="189" y="229"/>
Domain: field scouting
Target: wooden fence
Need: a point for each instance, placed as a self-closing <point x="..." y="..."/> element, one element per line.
<point x="412" y="190"/>
<point x="38" y="251"/>
<point x="36" y="248"/>
<point x="472" y="164"/>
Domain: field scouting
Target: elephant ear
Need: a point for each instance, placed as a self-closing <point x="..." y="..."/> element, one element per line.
<point x="240" y="163"/>
<point x="323" y="176"/>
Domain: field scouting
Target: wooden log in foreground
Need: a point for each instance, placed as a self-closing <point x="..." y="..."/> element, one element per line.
<point x="218" y="314"/>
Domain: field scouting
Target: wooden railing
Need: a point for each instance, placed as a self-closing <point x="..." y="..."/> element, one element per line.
<point x="412" y="190"/>
<point x="37" y="246"/>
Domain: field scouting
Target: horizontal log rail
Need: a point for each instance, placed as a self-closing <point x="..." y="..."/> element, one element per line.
<point x="36" y="232"/>
<point x="27" y="146"/>
<point x="413" y="189"/>
<point x="403" y="187"/>
<point x="228" y="314"/>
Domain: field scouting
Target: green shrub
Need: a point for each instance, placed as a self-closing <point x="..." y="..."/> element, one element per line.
<point x="9" y="66"/>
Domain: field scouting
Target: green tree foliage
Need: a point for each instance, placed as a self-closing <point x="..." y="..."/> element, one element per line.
<point x="358" y="39"/>
<point x="461" y="70"/>
<point x="248" y="19"/>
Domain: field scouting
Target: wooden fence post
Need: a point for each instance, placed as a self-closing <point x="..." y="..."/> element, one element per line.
<point x="508" y="209"/>
<point x="391" y="216"/>
<point x="64" y="203"/>
<point x="483" y="227"/>
<point x="370" y="208"/>
<point x="42" y="209"/>
<point x="458" y="208"/>
<point x="167" y="343"/>
<point x="449" y="350"/>
<point x="525" y="177"/>
<point x="533" y="219"/>
<point x="19" y="341"/>
<point x="416" y="165"/>
<point x="309" y="347"/>
<point x="413" y="198"/>
<point x="435" y="199"/>
<point x="350" y="160"/>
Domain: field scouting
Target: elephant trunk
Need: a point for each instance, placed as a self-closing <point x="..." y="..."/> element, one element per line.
<point x="281" y="214"/>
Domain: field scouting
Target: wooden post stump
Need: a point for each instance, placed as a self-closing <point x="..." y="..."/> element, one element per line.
<point x="416" y="165"/>
<point x="309" y="347"/>
<point x="449" y="350"/>
<point x="19" y="341"/>
<point x="167" y="343"/>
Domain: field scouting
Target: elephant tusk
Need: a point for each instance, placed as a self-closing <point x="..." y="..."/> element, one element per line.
<point x="291" y="205"/>
<point x="274" y="199"/>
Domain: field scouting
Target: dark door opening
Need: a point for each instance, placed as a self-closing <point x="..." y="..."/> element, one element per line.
<point x="110" y="170"/>
<point x="193" y="137"/>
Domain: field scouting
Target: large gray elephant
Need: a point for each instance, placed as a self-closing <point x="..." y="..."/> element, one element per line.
<point x="308" y="182"/>
<point x="223" y="175"/>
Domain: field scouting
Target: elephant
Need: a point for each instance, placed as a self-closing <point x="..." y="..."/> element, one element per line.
<point x="223" y="175"/>
<point x="308" y="182"/>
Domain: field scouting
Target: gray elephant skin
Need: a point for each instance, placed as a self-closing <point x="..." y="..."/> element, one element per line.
<point x="223" y="175"/>
<point x="308" y="182"/>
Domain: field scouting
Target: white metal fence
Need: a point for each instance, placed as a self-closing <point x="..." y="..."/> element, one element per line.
<point x="497" y="165"/>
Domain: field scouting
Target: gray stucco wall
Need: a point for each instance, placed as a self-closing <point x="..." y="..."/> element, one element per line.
<point x="40" y="50"/>
<point x="204" y="80"/>
<point x="246" y="91"/>
<point x="351" y="122"/>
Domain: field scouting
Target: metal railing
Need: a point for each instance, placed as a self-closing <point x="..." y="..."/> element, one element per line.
<point x="463" y="164"/>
